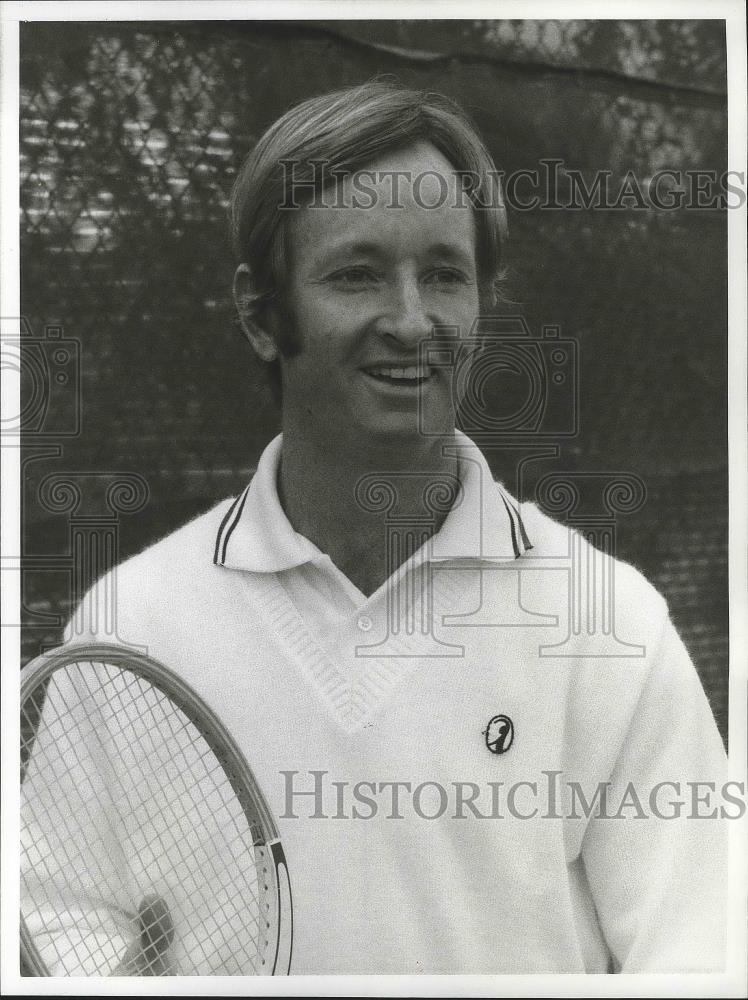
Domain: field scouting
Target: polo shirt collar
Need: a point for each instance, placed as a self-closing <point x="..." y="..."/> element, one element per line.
<point x="484" y="525"/>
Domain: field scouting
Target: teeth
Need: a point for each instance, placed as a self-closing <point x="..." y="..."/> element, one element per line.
<point x="413" y="372"/>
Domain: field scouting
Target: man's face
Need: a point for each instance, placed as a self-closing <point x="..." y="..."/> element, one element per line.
<point x="367" y="285"/>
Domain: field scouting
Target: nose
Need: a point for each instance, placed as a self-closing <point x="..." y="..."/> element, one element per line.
<point x="406" y="318"/>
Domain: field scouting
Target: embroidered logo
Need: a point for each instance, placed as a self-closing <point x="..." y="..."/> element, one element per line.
<point x="499" y="734"/>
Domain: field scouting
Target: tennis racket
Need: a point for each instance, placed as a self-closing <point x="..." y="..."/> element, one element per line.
<point x="147" y="847"/>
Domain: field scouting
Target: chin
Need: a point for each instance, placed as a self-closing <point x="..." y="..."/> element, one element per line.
<point x="403" y="430"/>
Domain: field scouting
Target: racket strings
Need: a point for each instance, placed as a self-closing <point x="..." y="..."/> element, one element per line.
<point x="147" y="808"/>
<point x="182" y="728"/>
<point x="52" y="843"/>
<point x="57" y="847"/>
<point x="216" y="794"/>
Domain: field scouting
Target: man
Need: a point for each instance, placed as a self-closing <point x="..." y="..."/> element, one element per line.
<point x="383" y="630"/>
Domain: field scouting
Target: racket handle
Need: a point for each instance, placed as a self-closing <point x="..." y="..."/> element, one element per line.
<point x="146" y="955"/>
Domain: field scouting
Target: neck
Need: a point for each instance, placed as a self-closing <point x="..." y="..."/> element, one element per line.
<point x="329" y="492"/>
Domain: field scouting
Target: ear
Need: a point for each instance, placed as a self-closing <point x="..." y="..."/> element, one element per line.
<point x="246" y="298"/>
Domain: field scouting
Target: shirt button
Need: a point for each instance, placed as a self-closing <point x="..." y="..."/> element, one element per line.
<point x="364" y="623"/>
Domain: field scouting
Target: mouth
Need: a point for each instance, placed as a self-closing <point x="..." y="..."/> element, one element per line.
<point x="407" y="376"/>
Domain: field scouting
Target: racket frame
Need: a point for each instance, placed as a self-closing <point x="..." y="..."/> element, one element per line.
<point x="276" y="894"/>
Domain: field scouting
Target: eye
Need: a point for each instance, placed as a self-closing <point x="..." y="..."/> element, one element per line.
<point x="356" y="276"/>
<point x="447" y="276"/>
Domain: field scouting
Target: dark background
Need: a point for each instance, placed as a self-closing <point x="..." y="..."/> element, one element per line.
<point x="131" y="135"/>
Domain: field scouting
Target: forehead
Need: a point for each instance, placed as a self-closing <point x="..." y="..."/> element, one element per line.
<point x="406" y="201"/>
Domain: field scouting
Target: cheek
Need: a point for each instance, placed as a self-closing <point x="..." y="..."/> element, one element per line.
<point x="486" y="299"/>
<point x="467" y="313"/>
<point x="318" y="315"/>
<point x="331" y="330"/>
<point x="319" y="343"/>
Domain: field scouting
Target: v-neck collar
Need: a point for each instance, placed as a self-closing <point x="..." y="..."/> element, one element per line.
<point x="256" y="538"/>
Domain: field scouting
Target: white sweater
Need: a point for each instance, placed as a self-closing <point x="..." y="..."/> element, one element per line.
<point x="451" y="879"/>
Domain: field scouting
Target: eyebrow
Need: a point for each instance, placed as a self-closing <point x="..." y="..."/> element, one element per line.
<point x="449" y="250"/>
<point x="354" y="247"/>
<point x="452" y="250"/>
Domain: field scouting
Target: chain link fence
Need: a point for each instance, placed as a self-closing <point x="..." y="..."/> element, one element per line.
<point x="131" y="135"/>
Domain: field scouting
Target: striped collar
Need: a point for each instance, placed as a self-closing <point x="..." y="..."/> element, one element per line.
<point x="484" y="525"/>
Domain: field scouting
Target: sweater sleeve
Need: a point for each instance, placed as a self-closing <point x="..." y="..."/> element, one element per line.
<point x="656" y="860"/>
